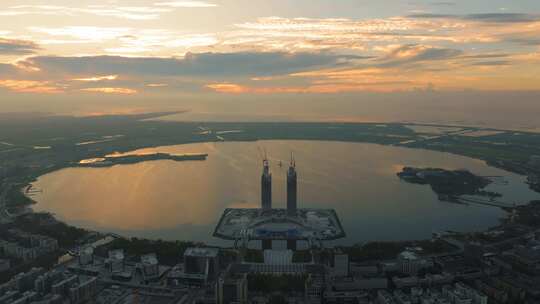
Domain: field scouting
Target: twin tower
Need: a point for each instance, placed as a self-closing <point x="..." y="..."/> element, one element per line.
<point x="266" y="196"/>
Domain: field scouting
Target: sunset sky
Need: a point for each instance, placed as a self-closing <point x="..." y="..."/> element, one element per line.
<point x="171" y="49"/>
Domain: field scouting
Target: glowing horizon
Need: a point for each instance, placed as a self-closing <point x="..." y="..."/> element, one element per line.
<point x="240" y="47"/>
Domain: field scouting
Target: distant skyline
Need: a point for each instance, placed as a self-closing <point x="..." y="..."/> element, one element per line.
<point x="143" y="55"/>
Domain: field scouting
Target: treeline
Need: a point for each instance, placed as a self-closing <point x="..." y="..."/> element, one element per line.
<point x="43" y="224"/>
<point x="16" y="198"/>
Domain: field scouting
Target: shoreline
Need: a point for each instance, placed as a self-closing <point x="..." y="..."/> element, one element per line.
<point x="495" y="223"/>
<point x="418" y="144"/>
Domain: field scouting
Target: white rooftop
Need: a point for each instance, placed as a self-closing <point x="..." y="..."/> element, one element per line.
<point x="277" y="224"/>
<point x="117" y="254"/>
<point x="408" y="255"/>
<point x="149" y="259"/>
<point x="201" y="252"/>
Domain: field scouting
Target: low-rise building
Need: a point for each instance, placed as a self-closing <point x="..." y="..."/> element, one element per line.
<point x="427" y="280"/>
<point x="5" y="264"/>
<point x="534" y="161"/>
<point x="361" y="283"/>
<point x="341" y="265"/>
<point x="115" y="261"/>
<point x="43" y="283"/>
<point x="25" y="281"/>
<point x="462" y="294"/>
<point x="411" y="263"/>
<point x="201" y="265"/>
<point x="525" y="258"/>
<point x="149" y="267"/>
<point x="384" y="297"/>
<point x="83" y="290"/>
<point x="232" y="288"/>
<point x="340" y="297"/>
<point x="26" y="246"/>
<point x="86" y="256"/>
<point x="449" y="294"/>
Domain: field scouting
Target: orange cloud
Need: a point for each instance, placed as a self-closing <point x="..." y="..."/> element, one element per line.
<point x="316" y="88"/>
<point x="97" y="78"/>
<point x="295" y="34"/>
<point x="112" y="111"/>
<point x="229" y="88"/>
<point x="122" y="91"/>
<point x="29" y="86"/>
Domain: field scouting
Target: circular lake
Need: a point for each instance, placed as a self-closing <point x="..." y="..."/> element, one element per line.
<point x="184" y="200"/>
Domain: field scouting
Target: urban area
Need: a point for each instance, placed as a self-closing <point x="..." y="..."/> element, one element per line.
<point x="275" y="256"/>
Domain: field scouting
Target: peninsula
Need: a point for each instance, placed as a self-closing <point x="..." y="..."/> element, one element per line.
<point x="124" y="159"/>
<point x="450" y="185"/>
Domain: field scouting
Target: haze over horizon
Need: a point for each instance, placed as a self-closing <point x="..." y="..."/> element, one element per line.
<point x="460" y="62"/>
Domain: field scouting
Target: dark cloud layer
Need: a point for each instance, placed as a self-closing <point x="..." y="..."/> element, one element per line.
<point x="524" y="38"/>
<point x="206" y="65"/>
<point x="492" y="63"/>
<point x="488" y="17"/>
<point x="411" y="53"/>
<point x="486" y="56"/>
<point x="17" y="47"/>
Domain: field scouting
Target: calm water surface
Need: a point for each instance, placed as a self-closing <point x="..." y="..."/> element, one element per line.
<point x="183" y="200"/>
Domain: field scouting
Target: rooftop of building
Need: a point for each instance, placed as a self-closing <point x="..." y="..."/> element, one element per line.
<point x="202" y="252"/>
<point x="408" y="255"/>
<point x="278" y="257"/>
<point x="261" y="268"/>
<point x="88" y="250"/>
<point x="117" y="254"/>
<point x="149" y="259"/>
<point x="277" y="224"/>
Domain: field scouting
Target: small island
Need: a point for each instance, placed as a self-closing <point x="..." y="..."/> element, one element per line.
<point x="450" y="185"/>
<point x="124" y="159"/>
